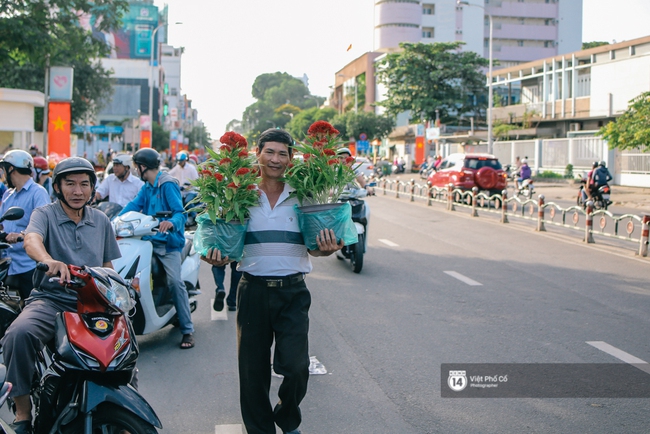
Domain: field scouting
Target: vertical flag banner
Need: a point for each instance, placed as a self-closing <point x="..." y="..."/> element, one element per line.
<point x="145" y="131"/>
<point x="58" y="128"/>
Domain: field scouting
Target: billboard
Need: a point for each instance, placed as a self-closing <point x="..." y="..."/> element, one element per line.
<point x="133" y="40"/>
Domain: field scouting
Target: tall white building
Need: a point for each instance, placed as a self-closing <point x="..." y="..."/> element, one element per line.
<point x="523" y="30"/>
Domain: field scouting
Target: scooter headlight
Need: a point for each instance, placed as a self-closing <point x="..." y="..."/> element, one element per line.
<point x="116" y="294"/>
<point x="125" y="229"/>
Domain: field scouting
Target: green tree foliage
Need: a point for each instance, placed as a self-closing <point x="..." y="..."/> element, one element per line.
<point x="35" y="32"/>
<point x="352" y="125"/>
<point x="277" y="93"/>
<point x="593" y="44"/>
<point x="199" y="137"/>
<point x="632" y="129"/>
<point x="159" y="137"/>
<point x="424" y="78"/>
<point x="301" y="122"/>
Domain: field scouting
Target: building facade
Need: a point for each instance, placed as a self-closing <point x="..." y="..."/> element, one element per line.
<point x="523" y="30"/>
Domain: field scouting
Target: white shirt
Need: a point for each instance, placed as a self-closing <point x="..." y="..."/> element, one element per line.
<point x="274" y="245"/>
<point x="184" y="174"/>
<point x="120" y="192"/>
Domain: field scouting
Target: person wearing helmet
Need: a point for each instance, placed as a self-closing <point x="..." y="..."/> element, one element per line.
<point x="182" y="171"/>
<point x="23" y="192"/>
<point x="160" y="192"/>
<point x="345" y="155"/>
<point x="67" y="231"/>
<point x="121" y="186"/>
<point x="598" y="177"/>
<point x="524" y="173"/>
<point x="194" y="160"/>
<point x="587" y="190"/>
<point x="34" y="151"/>
<point x="42" y="175"/>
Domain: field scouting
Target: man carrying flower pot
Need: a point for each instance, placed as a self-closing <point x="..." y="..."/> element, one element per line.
<point x="272" y="298"/>
<point x="160" y="192"/>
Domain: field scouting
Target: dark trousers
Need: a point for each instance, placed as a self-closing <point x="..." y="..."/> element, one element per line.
<point x="22" y="283"/>
<point x="219" y="274"/>
<point x="264" y="314"/>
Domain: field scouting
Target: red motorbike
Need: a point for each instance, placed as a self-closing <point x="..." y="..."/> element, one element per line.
<point x="84" y="380"/>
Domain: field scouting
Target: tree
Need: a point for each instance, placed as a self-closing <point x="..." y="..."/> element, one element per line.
<point x="632" y="129"/>
<point x="159" y="137"/>
<point x="352" y="125"/>
<point x="588" y="45"/>
<point x="35" y="33"/>
<point x="199" y="137"/>
<point x="424" y="78"/>
<point x="301" y="122"/>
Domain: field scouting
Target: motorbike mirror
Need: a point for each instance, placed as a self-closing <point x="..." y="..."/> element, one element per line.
<point x="13" y="213"/>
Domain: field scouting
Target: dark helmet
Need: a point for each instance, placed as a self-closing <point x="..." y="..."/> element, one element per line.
<point x="594" y="164"/>
<point x="603" y="163"/>
<point x="150" y="158"/>
<point x="74" y="165"/>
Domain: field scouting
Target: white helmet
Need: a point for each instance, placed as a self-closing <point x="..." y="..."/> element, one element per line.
<point x="123" y="159"/>
<point x="524" y="161"/>
<point x="19" y="158"/>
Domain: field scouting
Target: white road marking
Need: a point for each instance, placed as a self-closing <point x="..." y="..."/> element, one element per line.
<point x="218" y="316"/>
<point x="621" y="355"/>
<point x="462" y="278"/>
<point x="389" y="243"/>
<point x="228" y="429"/>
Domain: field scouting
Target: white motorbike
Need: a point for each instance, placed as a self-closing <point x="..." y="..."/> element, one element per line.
<point x="154" y="308"/>
<point x="526" y="188"/>
<point x="360" y="217"/>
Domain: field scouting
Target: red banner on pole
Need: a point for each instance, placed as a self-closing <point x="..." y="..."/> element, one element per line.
<point x="145" y="139"/>
<point x="174" y="146"/>
<point x="58" y="128"/>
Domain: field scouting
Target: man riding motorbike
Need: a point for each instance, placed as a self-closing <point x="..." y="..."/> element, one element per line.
<point x="120" y="186"/>
<point x="61" y="233"/>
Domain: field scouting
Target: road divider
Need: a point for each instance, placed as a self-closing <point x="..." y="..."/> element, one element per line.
<point x="626" y="227"/>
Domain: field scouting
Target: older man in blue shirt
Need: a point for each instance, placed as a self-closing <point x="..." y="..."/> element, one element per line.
<point x="23" y="192"/>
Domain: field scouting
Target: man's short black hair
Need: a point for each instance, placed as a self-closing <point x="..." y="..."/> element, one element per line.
<point x="275" y="135"/>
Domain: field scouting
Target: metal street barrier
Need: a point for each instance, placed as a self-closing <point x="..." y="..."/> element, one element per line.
<point x="623" y="227"/>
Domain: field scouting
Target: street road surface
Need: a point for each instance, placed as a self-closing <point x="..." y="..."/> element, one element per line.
<point x="436" y="287"/>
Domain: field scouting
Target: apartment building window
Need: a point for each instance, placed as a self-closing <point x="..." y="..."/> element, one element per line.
<point x="549" y="44"/>
<point x="549" y="22"/>
<point x="428" y="32"/>
<point x="520" y="43"/>
<point x="428" y="9"/>
<point x="522" y="21"/>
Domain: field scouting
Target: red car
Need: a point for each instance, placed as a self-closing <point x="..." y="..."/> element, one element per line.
<point x="466" y="171"/>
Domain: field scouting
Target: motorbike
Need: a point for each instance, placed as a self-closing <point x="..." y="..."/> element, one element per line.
<point x="9" y="304"/>
<point x="601" y="197"/>
<point x="85" y="375"/>
<point x="526" y="188"/>
<point x="399" y="168"/>
<point x="4" y="394"/>
<point x="154" y="306"/>
<point x="360" y="217"/>
<point x="188" y="193"/>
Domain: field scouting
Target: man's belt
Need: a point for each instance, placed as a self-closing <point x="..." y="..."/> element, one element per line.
<point x="275" y="281"/>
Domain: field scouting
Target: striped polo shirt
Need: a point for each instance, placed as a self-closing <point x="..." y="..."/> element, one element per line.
<point x="274" y="245"/>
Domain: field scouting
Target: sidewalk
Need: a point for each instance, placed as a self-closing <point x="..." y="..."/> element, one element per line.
<point x="630" y="197"/>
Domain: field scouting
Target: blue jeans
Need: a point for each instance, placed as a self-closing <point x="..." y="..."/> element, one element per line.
<point x="219" y="274"/>
<point x="171" y="261"/>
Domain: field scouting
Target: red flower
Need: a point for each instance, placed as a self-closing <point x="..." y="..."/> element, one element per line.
<point x="251" y="187"/>
<point x="320" y="144"/>
<point x="226" y="148"/>
<point x="218" y="176"/>
<point x="225" y="161"/>
<point x="232" y="185"/>
<point x="234" y="140"/>
<point x="242" y="171"/>
<point x="290" y="165"/>
<point x="243" y="154"/>
<point x="306" y="157"/>
<point x="322" y="128"/>
<point x="349" y="160"/>
<point x="206" y="173"/>
<point x="332" y="162"/>
<point x="329" y="152"/>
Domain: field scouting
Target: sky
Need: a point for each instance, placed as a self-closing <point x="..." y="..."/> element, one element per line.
<point x="229" y="43"/>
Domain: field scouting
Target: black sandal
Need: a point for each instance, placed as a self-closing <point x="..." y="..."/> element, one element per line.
<point x="187" y="342"/>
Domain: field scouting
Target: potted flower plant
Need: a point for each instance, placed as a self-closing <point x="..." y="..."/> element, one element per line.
<point x="227" y="188"/>
<point x="318" y="179"/>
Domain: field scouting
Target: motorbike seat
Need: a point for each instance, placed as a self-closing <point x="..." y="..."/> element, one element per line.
<point x="186" y="250"/>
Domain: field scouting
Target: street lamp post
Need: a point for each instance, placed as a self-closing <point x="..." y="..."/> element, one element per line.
<point x="490" y="98"/>
<point x="153" y="41"/>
